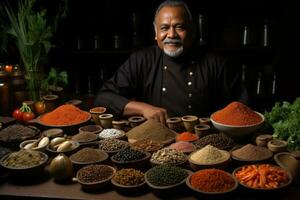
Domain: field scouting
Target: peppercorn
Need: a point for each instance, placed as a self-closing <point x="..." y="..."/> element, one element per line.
<point x="129" y="154"/>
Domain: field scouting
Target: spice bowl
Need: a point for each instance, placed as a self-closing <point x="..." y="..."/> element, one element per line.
<point x="240" y="155"/>
<point x="130" y="162"/>
<point x="287" y="161"/>
<point x="189" y="121"/>
<point x="87" y="156"/>
<point x="238" y="132"/>
<point x="136" y="120"/>
<point x="106" y="120"/>
<point x="162" y="181"/>
<point x="68" y="151"/>
<point x="111" y="133"/>
<point x="112" y="146"/>
<point x="220" y="164"/>
<point x="53" y="132"/>
<point x="91" y="128"/>
<point x="95" y="112"/>
<point x="95" y="177"/>
<point x="129" y="189"/>
<point x="221" y="176"/>
<point x="24" y="171"/>
<point x="129" y="181"/>
<point x="38" y="147"/>
<point x="283" y="177"/>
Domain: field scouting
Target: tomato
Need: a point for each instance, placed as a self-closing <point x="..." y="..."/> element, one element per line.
<point x="40" y="107"/>
<point x="27" y="116"/>
<point x="18" y="114"/>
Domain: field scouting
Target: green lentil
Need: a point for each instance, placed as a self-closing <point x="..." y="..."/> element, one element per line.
<point x="165" y="175"/>
<point x="129" y="177"/>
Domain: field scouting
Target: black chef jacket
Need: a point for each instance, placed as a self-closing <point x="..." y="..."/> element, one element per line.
<point x="196" y="83"/>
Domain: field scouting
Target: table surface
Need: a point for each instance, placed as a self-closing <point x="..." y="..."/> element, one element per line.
<point x="46" y="188"/>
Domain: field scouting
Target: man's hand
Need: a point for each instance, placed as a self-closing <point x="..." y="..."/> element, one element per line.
<point x="148" y="111"/>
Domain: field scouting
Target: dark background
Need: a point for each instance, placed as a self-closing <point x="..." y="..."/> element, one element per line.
<point x="88" y="20"/>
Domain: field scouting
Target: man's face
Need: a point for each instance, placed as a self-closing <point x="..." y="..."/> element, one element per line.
<point x="173" y="30"/>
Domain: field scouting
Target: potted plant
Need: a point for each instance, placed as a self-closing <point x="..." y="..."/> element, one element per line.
<point x="55" y="81"/>
<point x="32" y="31"/>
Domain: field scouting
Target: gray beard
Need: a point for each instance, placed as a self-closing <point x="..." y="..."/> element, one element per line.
<point x="174" y="54"/>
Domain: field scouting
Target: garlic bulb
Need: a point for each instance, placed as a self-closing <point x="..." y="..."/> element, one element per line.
<point x="61" y="167"/>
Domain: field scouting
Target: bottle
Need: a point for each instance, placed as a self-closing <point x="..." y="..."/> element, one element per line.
<point x="266" y="36"/>
<point x="97" y="42"/>
<point x="202" y="29"/>
<point x="273" y="93"/>
<point x="117" y="42"/>
<point x="244" y="73"/>
<point x="4" y="93"/>
<point x="245" y="40"/>
<point x="135" y="33"/>
<point x="18" y="86"/>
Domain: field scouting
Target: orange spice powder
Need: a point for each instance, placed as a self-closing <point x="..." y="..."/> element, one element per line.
<point x="187" y="136"/>
<point x="65" y="115"/>
<point x="236" y="114"/>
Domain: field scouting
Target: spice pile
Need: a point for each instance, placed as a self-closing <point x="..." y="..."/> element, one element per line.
<point x="212" y="180"/>
<point x="65" y="115"/>
<point x="23" y="159"/>
<point x="251" y="152"/>
<point x="91" y="128"/>
<point x="94" y="173"/>
<point x="236" y="114"/>
<point x="219" y="140"/>
<point x="209" y="155"/>
<point x="168" y="156"/>
<point x="111" y="133"/>
<point x="183" y="146"/>
<point x="147" y="145"/>
<point x="18" y="132"/>
<point x="84" y="137"/>
<point x="112" y="144"/>
<point x="187" y="136"/>
<point x="129" y="177"/>
<point x="151" y="130"/>
<point x="88" y="155"/>
<point x="166" y="175"/>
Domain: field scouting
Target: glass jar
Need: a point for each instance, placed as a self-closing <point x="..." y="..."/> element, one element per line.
<point x="4" y="93"/>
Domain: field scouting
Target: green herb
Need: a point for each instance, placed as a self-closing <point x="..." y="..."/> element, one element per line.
<point x="285" y="119"/>
<point x="54" y="80"/>
<point x="31" y="30"/>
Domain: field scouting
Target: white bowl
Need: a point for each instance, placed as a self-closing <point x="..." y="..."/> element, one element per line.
<point x="236" y="132"/>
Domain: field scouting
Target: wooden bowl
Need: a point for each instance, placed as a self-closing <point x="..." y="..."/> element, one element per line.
<point x="238" y="132"/>
<point x="165" y="190"/>
<point x="96" y="185"/>
<point x="104" y="157"/>
<point x="75" y="147"/>
<point x="136" y="164"/>
<point x="223" y="164"/>
<point x="264" y="189"/>
<point x="128" y="189"/>
<point x="210" y="194"/>
<point x="31" y="171"/>
<point x="121" y="136"/>
<point x="68" y="129"/>
<point x="114" y="151"/>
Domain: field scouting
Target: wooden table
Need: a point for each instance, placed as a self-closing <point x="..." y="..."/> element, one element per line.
<point x="47" y="188"/>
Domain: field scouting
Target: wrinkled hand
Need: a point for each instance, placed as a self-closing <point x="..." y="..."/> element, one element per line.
<point x="155" y="113"/>
<point x="148" y="111"/>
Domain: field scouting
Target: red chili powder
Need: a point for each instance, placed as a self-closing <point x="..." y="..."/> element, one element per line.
<point x="212" y="180"/>
<point x="236" y="114"/>
<point x="67" y="114"/>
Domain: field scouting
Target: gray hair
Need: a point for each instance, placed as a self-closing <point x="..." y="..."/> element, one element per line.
<point x="173" y="3"/>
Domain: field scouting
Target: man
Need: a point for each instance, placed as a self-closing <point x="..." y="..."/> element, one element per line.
<point x="172" y="78"/>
